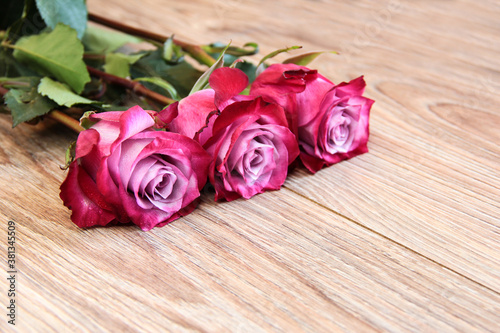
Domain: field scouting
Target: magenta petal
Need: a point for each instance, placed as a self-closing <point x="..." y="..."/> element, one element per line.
<point x="251" y="111"/>
<point x="280" y="80"/>
<point x="310" y="100"/>
<point x="146" y="219"/>
<point x="299" y="90"/>
<point x="86" y="142"/>
<point x="340" y="128"/>
<point x="149" y="218"/>
<point x="136" y="183"/>
<point x="133" y="121"/>
<point x="165" y="116"/>
<point x="252" y="148"/>
<point x="80" y="194"/>
<point x="128" y="156"/>
<point x="113" y="116"/>
<point x="354" y="87"/>
<point x="193" y="112"/>
<point x="227" y="83"/>
<point x="110" y="190"/>
<point x="204" y="134"/>
<point x="360" y="142"/>
<point x="183" y="212"/>
<point x="312" y="163"/>
<point x="108" y="133"/>
<point x="165" y="141"/>
<point x="273" y="81"/>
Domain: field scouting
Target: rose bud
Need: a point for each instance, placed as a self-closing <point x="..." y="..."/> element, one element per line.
<point x="125" y="171"/>
<point x="330" y="121"/>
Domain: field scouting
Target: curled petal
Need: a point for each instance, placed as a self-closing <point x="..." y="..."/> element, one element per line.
<point x="298" y="89"/>
<point x="227" y="83"/>
<point x="80" y="194"/>
<point x="133" y="121"/>
<point x="165" y="116"/>
<point x="192" y="113"/>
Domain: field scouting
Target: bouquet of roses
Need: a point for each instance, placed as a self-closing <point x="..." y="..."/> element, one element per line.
<point x="238" y="126"/>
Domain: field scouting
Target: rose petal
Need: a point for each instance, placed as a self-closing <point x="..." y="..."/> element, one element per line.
<point x="170" y="146"/>
<point x="133" y="121"/>
<point x="80" y="194"/>
<point x="292" y="87"/>
<point x="310" y="100"/>
<point x="352" y="88"/>
<point x="165" y="116"/>
<point x="227" y="83"/>
<point x="168" y="142"/>
<point x="192" y="113"/>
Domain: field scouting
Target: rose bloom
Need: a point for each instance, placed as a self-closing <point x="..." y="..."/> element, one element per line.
<point x="248" y="138"/>
<point x="125" y="171"/>
<point x="330" y="121"/>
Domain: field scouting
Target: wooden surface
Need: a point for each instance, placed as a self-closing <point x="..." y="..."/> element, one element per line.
<point x="404" y="238"/>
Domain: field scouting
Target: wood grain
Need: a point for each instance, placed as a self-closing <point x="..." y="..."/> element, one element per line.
<point x="402" y="239"/>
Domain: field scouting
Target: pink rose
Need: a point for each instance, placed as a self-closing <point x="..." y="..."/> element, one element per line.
<point x="252" y="148"/>
<point x="190" y="115"/>
<point x="249" y="140"/>
<point x="330" y="121"/>
<point x="125" y="171"/>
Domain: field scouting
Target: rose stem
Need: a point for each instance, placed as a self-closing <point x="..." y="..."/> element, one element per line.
<point x="132" y="85"/>
<point x="66" y="120"/>
<point x="194" y="50"/>
<point x="56" y="115"/>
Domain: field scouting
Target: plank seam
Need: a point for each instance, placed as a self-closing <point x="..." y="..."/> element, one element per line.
<point x="394" y="241"/>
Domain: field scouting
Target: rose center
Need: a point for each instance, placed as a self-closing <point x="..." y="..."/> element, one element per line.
<point x="256" y="156"/>
<point x="255" y="161"/>
<point x="339" y="133"/>
<point x="161" y="186"/>
<point x="156" y="182"/>
<point x="338" y="130"/>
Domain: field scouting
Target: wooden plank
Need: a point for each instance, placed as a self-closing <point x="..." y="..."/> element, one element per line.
<point x="423" y="185"/>
<point x="404" y="238"/>
<point x="273" y="263"/>
<point x="434" y="128"/>
<point x="431" y="181"/>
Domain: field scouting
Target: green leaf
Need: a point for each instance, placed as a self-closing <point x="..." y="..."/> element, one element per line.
<point x="69" y="12"/>
<point x="85" y="121"/>
<point x="27" y="105"/>
<point x="161" y="83"/>
<point x="249" y="69"/>
<point x="58" y="53"/>
<point x="306" y="58"/>
<point x="119" y="64"/>
<point x="261" y="66"/>
<point x="247" y="49"/>
<point x="181" y="75"/>
<point x="202" y="82"/>
<point x="11" y="67"/>
<point x="61" y="93"/>
<point x="70" y="155"/>
<point x="171" y="51"/>
<point x="101" y="41"/>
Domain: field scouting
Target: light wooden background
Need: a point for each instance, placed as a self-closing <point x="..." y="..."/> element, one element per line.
<point x="404" y="238"/>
